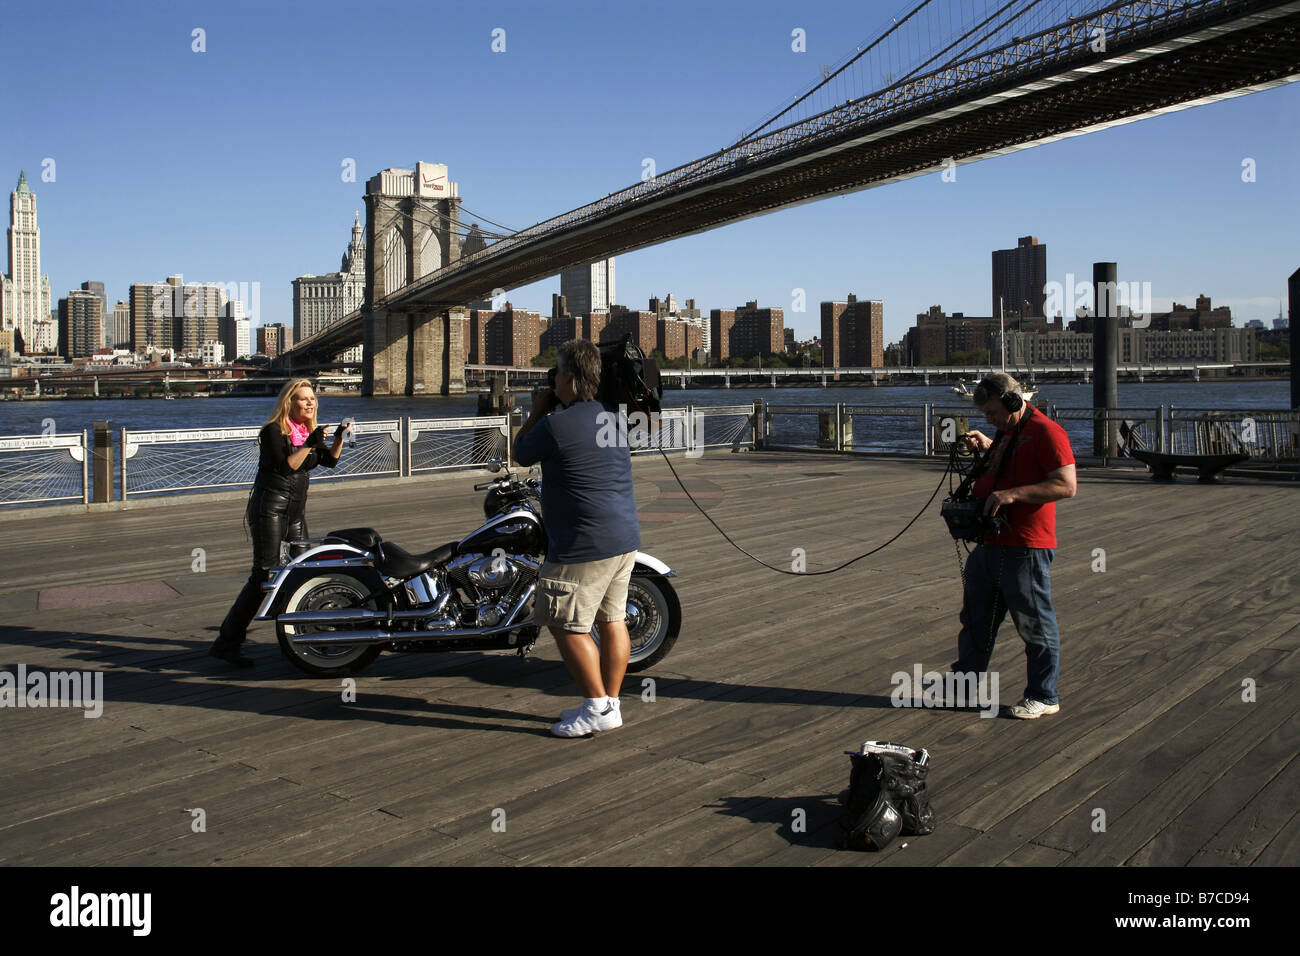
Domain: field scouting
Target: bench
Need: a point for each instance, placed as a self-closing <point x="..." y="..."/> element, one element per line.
<point x="1162" y="465"/>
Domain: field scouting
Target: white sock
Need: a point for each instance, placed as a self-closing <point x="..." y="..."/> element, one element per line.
<point x="597" y="705"/>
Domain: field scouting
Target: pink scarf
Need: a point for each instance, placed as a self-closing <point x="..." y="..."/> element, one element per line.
<point x="297" y="434"/>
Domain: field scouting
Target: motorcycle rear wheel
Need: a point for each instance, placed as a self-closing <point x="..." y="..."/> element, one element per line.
<point x="654" y="618"/>
<point x="325" y="592"/>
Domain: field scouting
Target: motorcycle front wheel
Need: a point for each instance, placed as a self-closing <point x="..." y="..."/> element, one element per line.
<point x="654" y="618"/>
<point x="325" y="592"/>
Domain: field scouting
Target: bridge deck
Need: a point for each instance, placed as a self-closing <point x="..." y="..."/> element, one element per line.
<point x="772" y="679"/>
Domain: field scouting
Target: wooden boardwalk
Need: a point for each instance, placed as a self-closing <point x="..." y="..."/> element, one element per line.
<point x="772" y="679"/>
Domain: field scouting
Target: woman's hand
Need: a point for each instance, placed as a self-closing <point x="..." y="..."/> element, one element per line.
<point x="316" y="439"/>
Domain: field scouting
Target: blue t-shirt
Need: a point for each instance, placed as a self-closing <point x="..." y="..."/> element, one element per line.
<point x="587" y="496"/>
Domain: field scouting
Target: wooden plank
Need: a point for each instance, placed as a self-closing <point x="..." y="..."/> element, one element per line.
<point x="752" y="709"/>
<point x="1249" y="832"/>
<point x="1242" y="780"/>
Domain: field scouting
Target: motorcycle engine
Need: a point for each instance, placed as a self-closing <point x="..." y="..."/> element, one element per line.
<point x="490" y="585"/>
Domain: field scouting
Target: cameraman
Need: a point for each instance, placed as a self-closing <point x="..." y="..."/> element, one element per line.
<point x="1031" y="466"/>
<point x="593" y="534"/>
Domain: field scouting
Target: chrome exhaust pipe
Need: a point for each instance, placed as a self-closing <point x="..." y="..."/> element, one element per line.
<point x="361" y="615"/>
<point x="383" y="637"/>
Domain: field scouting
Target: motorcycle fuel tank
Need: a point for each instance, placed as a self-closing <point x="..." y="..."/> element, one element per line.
<point x="518" y="531"/>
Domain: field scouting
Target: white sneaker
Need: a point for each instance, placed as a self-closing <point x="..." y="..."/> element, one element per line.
<point x="573" y="711"/>
<point x="588" y="722"/>
<point x="1028" y="709"/>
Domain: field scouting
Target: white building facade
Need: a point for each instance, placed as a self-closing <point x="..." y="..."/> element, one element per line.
<point x="588" y="288"/>
<point x="25" y="292"/>
<point x="320" y="301"/>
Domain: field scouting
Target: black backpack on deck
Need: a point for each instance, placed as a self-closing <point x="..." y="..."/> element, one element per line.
<point x="887" y="796"/>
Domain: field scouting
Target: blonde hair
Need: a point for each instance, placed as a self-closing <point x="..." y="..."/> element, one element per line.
<point x="281" y="414"/>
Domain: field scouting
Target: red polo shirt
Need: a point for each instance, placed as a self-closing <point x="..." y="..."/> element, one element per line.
<point x="1041" y="449"/>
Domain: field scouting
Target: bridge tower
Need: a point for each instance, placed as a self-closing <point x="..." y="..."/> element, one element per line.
<point x="412" y="229"/>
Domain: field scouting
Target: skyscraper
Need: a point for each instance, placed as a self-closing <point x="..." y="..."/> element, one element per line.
<point x="81" y="324"/>
<point x="25" y="292"/>
<point x="588" y="288"/>
<point x="176" y="315"/>
<point x="853" y="333"/>
<point x="121" y="328"/>
<point x="1019" y="276"/>
<point x="320" y="301"/>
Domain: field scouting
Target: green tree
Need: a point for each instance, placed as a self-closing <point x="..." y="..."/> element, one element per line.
<point x="547" y="359"/>
<point x="973" y="357"/>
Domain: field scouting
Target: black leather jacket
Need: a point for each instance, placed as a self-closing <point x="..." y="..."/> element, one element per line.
<point x="278" y="488"/>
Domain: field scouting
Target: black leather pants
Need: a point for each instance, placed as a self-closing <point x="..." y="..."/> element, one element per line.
<point x="272" y="517"/>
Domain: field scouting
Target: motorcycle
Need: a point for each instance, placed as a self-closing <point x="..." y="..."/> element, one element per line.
<point x="349" y="596"/>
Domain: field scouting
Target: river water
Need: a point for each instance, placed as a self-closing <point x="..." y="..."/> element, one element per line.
<point x="33" y="417"/>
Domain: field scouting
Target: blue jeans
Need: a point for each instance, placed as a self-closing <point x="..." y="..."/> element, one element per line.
<point x="998" y="580"/>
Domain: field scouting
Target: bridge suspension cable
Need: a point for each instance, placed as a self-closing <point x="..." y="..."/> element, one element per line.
<point x="460" y="228"/>
<point x="945" y="34"/>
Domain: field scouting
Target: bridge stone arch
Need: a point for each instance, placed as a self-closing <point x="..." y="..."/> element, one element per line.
<point x="412" y="229"/>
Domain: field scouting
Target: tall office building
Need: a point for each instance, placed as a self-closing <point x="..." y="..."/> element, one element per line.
<point x="176" y="315"/>
<point x="588" y="288"/>
<point x="25" y="292"/>
<point x="746" y="331"/>
<point x="1019" y="276"/>
<point x="81" y="324"/>
<point x="235" y="335"/>
<point x="853" y="333"/>
<point x="120" y="331"/>
<point x="642" y="326"/>
<point x="274" y="338"/>
<point x="320" y="301"/>
<point x="97" y="288"/>
<point x="510" y="337"/>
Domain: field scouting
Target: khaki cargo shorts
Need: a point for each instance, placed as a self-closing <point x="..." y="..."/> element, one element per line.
<point x="571" y="597"/>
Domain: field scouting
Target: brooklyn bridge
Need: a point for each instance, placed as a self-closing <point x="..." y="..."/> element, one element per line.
<point x="1024" y="74"/>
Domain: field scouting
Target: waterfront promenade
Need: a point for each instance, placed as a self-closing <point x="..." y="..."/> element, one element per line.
<point x="773" y="677"/>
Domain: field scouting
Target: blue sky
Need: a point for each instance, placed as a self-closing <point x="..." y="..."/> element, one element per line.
<point x="226" y="165"/>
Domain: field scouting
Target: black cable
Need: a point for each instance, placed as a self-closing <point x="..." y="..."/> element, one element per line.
<point x="474" y="215"/>
<point x="841" y="567"/>
<point x="897" y="25"/>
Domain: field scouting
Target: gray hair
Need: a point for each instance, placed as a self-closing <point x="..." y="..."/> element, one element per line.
<point x="1000" y="380"/>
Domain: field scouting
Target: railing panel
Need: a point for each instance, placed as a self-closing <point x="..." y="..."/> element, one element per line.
<point x="442" y="444"/>
<point x="212" y="459"/>
<point x="43" y="469"/>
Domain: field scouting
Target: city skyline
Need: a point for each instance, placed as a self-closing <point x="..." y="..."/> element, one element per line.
<point x="1166" y="198"/>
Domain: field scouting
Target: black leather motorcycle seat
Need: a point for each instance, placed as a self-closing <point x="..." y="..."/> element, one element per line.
<point x="396" y="563"/>
<point x="367" y="539"/>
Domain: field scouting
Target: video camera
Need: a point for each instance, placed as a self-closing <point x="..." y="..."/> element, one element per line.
<point x="628" y="377"/>
<point x="961" y="510"/>
<point x="967" y="521"/>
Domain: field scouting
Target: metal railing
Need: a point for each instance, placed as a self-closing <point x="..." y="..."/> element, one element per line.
<point x="1266" y="435"/>
<point x="42" y="469"/>
<point x="443" y="444"/>
<point x="212" y="459"/>
<point x="694" y="428"/>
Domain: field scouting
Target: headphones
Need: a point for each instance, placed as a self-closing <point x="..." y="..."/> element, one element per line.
<point x="1011" y="401"/>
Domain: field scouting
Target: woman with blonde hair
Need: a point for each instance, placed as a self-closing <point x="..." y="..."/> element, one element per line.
<point x="292" y="444"/>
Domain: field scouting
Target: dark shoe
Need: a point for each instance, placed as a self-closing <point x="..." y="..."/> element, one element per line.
<point x="231" y="654"/>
